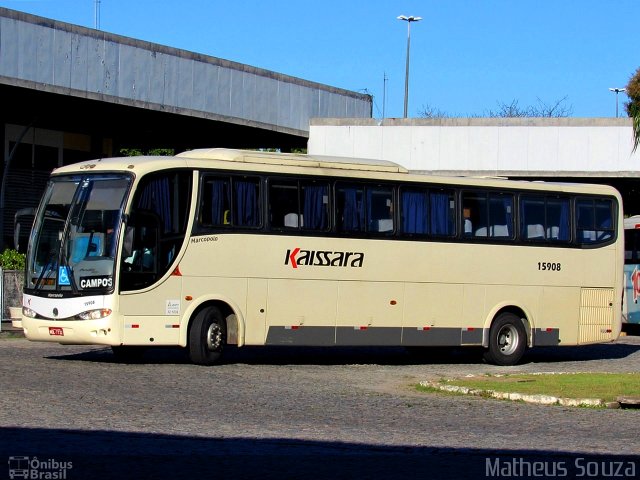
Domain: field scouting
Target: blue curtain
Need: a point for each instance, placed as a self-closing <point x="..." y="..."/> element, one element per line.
<point x="219" y="198"/>
<point x="155" y="197"/>
<point x="315" y="209"/>
<point x="439" y="214"/>
<point x="246" y="212"/>
<point x="563" y="231"/>
<point x="353" y="213"/>
<point x="414" y="212"/>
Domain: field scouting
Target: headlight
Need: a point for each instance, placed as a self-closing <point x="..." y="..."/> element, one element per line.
<point x="94" y="314"/>
<point x="27" y="312"/>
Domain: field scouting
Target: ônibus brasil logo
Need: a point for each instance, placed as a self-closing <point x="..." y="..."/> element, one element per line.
<point x="323" y="258"/>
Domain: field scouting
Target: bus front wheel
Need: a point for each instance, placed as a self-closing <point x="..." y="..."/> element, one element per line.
<point x="207" y="336"/>
<point x="507" y="340"/>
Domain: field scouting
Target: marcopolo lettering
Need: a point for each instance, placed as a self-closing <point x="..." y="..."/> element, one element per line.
<point x="96" y="282"/>
<point x="323" y="258"/>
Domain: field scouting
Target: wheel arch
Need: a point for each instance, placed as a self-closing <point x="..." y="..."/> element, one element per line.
<point x="522" y="313"/>
<point x="230" y="312"/>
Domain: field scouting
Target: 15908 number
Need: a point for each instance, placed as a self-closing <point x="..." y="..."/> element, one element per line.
<point x="549" y="266"/>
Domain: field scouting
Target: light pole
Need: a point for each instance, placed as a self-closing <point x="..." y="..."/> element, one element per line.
<point x="617" y="91"/>
<point x="408" y="19"/>
<point x="97" y="14"/>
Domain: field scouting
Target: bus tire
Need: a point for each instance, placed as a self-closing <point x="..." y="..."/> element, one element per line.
<point x="207" y="336"/>
<point x="507" y="340"/>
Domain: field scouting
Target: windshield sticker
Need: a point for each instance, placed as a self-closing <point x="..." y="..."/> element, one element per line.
<point x="63" y="276"/>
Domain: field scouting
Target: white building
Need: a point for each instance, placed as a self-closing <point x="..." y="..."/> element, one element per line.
<point x="596" y="150"/>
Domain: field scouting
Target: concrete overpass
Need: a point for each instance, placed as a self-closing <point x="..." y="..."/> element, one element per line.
<point x="70" y="93"/>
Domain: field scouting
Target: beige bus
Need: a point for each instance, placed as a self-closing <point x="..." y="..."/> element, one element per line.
<point x="221" y="247"/>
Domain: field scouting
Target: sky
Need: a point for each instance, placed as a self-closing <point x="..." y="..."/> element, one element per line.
<point x="468" y="57"/>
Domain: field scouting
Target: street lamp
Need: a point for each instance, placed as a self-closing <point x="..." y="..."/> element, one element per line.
<point x="617" y="91"/>
<point x="406" y="77"/>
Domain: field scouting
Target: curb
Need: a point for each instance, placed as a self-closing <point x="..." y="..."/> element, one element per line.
<point x="538" y="399"/>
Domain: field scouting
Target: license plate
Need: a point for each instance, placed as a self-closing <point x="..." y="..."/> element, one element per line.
<point x="56" y="331"/>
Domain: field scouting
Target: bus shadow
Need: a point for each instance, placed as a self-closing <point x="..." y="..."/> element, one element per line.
<point x="271" y="355"/>
<point x="583" y="353"/>
<point x="98" y="454"/>
<point x="360" y="355"/>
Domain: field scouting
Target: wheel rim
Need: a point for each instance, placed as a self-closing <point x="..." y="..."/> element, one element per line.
<point x="214" y="337"/>
<point x="508" y="339"/>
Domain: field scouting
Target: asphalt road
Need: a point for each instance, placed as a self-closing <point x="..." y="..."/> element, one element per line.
<point x="300" y="413"/>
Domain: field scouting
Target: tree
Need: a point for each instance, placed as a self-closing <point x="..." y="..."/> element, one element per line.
<point x="136" y="152"/>
<point x="429" y="111"/>
<point x="633" y="106"/>
<point x="555" y="109"/>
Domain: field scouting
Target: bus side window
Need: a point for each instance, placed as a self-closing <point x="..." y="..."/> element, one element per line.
<point x="246" y="211"/>
<point x="558" y="219"/>
<point x="215" y="204"/>
<point x="315" y="205"/>
<point x="501" y="215"/>
<point x="350" y="215"/>
<point x="475" y="205"/>
<point x="594" y="220"/>
<point x="364" y="208"/>
<point x="284" y="205"/>
<point x="415" y="214"/>
<point x="156" y="227"/>
<point x="229" y="201"/>
<point x="380" y="209"/>
<point x="544" y="218"/>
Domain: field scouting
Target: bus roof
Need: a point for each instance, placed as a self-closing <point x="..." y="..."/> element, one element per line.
<point x="293" y="160"/>
<point x="258" y="161"/>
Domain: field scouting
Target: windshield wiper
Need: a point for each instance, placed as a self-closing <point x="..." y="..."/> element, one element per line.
<point x="46" y="269"/>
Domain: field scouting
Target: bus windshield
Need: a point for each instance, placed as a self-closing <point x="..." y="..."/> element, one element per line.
<point x="75" y="234"/>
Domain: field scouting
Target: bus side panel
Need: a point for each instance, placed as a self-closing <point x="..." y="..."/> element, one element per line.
<point x="369" y="313"/>
<point x="432" y="304"/>
<point x="301" y="312"/>
<point x="560" y="308"/>
<point x="440" y="314"/>
<point x="256" y="312"/>
<point x="473" y="307"/>
<point x="153" y="317"/>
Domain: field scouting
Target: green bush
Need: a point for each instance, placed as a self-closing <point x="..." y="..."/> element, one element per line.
<point x="11" y="259"/>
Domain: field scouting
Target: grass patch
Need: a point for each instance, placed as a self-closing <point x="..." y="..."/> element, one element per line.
<point x="604" y="386"/>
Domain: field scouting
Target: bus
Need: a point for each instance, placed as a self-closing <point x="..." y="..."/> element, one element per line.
<point x="218" y="247"/>
<point x="630" y="307"/>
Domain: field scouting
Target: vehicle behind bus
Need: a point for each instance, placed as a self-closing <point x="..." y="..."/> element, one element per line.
<point x="630" y="306"/>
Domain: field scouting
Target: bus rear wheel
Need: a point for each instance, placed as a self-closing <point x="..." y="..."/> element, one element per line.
<point x="207" y="336"/>
<point x="507" y="340"/>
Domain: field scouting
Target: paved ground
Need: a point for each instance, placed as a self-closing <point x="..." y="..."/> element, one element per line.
<point x="302" y="413"/>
